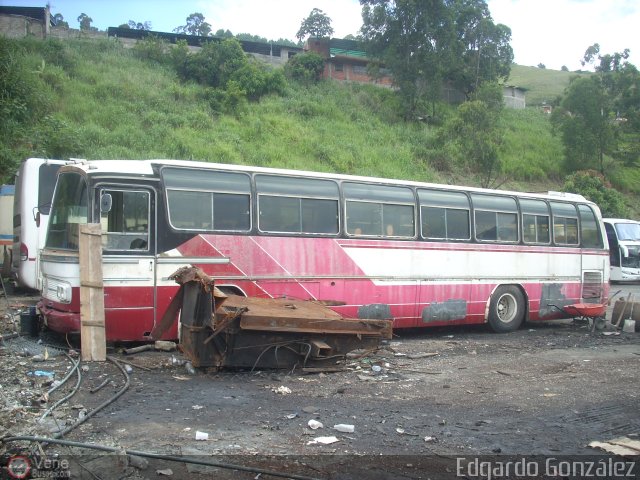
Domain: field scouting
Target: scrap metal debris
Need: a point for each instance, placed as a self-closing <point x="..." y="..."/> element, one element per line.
<point x="233" y="331"/>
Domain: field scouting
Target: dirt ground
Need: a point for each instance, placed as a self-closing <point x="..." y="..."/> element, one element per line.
<point x="421" y="402"/>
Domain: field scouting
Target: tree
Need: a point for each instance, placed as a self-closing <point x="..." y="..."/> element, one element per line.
<point x="58" y="19"/>
<point x="600" y="115"/>
<point x="221" y="32"/>
<point x="473" y="136"/>
<point x="542" y="66"/>
<point x="482" y="50"/>
<point x="425" y="43"/>
<point x="317" y="24"/>
<point x="85" y="22"/>
<point x="138" y="25"/>
<point x="607" y="62"/>
<point x="195" y="26"/>
<point x="413" y="40"/>
<point x="585" y="120"/>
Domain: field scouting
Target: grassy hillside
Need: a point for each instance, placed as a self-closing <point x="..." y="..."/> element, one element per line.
<point x="542" y="85"/>
<point x="106" y="103"/>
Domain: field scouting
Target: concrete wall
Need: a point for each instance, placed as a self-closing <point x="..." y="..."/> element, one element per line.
<point x="64" y="33"/>
<point x="15" y="26"/>
<point x="514" y="97"/>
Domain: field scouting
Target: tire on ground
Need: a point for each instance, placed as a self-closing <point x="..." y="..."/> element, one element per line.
<point x="507" y="309"/>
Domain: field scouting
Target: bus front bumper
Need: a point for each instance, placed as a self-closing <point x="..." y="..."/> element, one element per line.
<point x="62" y="322"/>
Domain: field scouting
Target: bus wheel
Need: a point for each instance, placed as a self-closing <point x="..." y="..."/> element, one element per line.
<point x="506" y="311"/>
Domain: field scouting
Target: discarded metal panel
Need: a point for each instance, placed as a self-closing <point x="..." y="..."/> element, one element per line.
<point x="264" y="333"/>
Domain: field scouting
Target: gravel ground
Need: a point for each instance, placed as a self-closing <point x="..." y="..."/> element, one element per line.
<point x="421" y="402"/>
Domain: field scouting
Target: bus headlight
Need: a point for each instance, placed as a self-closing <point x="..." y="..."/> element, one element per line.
<point x="63" y="292"/>
<point x="56" y="290"/>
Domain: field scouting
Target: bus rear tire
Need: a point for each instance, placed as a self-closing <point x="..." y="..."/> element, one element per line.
<point x="506" y="310"/>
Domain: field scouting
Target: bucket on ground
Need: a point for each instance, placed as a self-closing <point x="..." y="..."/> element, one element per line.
<point x="29" y="322"/>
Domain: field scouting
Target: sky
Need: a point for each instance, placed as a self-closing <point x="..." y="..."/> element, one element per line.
<point x="555" y="33"/>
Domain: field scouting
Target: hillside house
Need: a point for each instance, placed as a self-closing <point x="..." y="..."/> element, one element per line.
<point x="19" y="22"/>
<point x="514" y="97"/>
<point x="344" y="60"/>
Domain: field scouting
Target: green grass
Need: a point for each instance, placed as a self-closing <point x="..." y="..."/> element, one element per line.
<point x="542" y="85"/>
<point x="106" y="103"/>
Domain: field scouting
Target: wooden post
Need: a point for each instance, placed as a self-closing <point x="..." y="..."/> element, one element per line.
<point x="92" y="332"/>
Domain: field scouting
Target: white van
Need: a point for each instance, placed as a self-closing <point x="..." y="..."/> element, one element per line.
<point x="35" y="181"/>
<point x="624" y="248"/>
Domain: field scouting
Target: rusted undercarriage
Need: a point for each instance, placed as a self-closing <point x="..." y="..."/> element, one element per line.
<point x="239" y="332"/>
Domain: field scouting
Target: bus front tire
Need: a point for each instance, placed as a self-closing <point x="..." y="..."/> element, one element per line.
<point x="506" y="310"/>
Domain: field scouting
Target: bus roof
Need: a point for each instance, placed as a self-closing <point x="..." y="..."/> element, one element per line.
<point x="145" y="167"/>
<point x="619" y="220"/>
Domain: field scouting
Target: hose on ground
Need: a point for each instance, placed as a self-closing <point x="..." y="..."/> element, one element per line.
<point x="171" y="458"/>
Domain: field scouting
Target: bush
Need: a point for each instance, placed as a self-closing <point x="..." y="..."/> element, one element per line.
<point x="153" y="49"/>
<point x="257" y="80"/>
<point x="593" y="186"/>
<point x="305" y="67"/>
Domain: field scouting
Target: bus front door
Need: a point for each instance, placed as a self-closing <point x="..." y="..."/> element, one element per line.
<point x="126" y="216"/>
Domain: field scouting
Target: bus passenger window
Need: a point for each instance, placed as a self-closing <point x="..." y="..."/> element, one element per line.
<point x="565" y="224"/>
<point x="445" y="215"/>
<point x="496" y="218"/>
<point x="398" y="220"/>
<point x="231" y="212"/>
<point x="365" y="216"/>
<point x="486" y="226"/>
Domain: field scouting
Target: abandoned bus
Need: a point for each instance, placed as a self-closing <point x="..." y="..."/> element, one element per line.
<point x="35" y="181"/>
<point x="420" y="254"/>
<point x="624" y="249"/>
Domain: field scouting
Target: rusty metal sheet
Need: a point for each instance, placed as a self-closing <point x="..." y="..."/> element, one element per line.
<point x="284" y="315"/>
<point x="263" y="333"/>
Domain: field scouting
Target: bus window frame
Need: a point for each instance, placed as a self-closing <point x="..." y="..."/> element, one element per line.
<point x="553" y="223"/>
<point x="377" y="200"/>
<point x="272" y="192"/>
<point x="300" y="199"/>
<point x="515" y="212"/>
<point x="535" y="215"/>
<point x="103" y="188"/>
<point x="167" y="189"/>
<point x="445" y="207"/>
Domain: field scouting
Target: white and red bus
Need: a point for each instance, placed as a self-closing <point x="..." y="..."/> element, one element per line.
<point x="421" y="254"/>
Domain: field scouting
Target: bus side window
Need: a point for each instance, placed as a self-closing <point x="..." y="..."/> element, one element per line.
<point x="126" y="224"/>
<point x="589" y="231"/>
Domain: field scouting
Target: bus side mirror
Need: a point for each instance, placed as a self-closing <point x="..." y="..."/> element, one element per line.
<point x="105" y="203"/>
<point x="624" y="250"/>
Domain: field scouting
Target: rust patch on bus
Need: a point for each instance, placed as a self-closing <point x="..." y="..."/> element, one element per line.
<point x="232" y="331"/>
<point x="552" y="300"/>
<point x="379" y="311"/>
<point x="454" y="309"/>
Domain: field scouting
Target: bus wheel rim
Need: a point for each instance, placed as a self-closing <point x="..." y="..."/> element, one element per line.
<point x="507" y="308"/>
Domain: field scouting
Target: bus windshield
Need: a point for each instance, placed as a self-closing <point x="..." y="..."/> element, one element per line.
<point x="628" y="231"/>
<point x="68" y="211"/>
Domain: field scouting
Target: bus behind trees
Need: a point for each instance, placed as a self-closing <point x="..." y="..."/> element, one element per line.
<point x="420" y="254"/>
